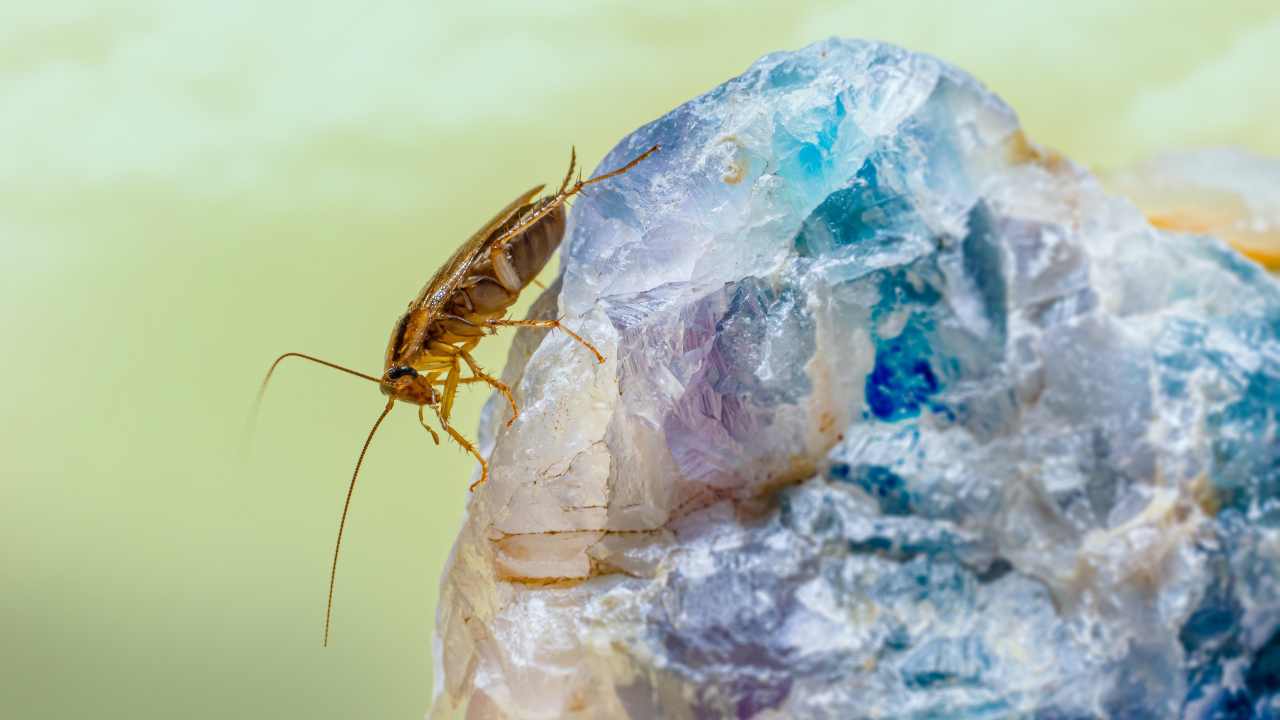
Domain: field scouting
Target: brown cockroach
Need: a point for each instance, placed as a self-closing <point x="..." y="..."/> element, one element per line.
<point x="467" y="299"/>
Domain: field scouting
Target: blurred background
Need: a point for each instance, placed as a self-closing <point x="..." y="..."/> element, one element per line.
<point x="188" y="189"/>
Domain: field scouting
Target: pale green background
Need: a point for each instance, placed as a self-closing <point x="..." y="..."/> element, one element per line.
<point x="188" y="189"/>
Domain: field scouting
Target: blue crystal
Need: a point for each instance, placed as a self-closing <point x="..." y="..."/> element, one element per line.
<point x="883" y="484"/>
<point x="902" y="380"/>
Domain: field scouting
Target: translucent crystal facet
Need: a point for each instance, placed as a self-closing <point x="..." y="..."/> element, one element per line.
<point x="903" y="417"/>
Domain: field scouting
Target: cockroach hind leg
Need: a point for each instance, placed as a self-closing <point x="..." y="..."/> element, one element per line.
<point x="618" y="171"/>
<point x="554" y="201"/>
<point x="573" y="162"/>
<point x="550" y="324"/>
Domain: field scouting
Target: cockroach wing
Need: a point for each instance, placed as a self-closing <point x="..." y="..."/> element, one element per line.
<point x="447" y="279"/>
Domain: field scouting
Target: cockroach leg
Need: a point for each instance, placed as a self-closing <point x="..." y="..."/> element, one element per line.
<point x="450" y="390"/>
<point x="442" y="350"/>
<point x="495" y="382"/>
<point x="458" y="325"/>
<point x="549" y="324"/>
<point x="548" y="205"/>
<point x="458" y="318"/>
<point x="427" y="427"/>
<point x="573" y="162"/>
<point x="466" y="445"/>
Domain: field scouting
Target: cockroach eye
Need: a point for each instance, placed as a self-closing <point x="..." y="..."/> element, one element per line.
<point x="396" y="373"/>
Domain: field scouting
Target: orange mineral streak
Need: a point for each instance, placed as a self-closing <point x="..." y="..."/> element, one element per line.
<point x="1261" y="247"/>
<point x="1019" y="150"/>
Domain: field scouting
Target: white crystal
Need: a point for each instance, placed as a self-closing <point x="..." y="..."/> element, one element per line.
<point x="902" y="417"/>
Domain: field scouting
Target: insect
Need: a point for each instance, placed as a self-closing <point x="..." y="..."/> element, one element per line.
<point x="466" y="300"/>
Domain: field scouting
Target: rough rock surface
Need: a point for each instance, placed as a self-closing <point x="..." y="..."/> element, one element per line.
<point x="903" y="417"/>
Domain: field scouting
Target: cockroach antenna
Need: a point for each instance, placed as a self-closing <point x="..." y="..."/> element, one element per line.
<point x="262" y="389"/>
<point x="346" y="506"/>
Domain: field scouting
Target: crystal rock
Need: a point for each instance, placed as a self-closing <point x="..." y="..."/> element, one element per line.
<point x="903" y="417"/>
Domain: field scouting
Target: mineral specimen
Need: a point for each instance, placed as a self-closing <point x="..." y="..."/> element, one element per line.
<point x="903" y="417"/>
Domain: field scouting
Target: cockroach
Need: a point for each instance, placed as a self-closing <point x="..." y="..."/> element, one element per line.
<point x="466" y="300"/>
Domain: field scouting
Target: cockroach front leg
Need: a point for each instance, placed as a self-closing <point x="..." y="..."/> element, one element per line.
<point x="427" y="427"/>
<point x="495" y="382"/>
<point x="450" y="391"/>
<point x="466" y="445"/>
<point x="549" y="324"/>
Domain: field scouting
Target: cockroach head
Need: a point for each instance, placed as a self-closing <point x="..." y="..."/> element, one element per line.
<point x="405" y="384"/>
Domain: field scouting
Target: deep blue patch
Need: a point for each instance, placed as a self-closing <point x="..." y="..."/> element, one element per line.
<point x="929" y="546"/>
<point x="873" y="544"/>
<point x="1230" y="706"/>
<point x="1206" y="625"/>
<point x="839" y="472"/>
<point x="1263" y="677"/>
<point x="902" y="380"/>
<point x="886" y="486"/>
